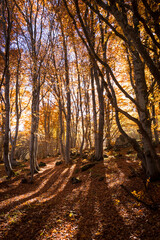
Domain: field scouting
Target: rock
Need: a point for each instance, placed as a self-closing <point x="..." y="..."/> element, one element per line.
<point x="27" y="157"/>
<point x="59" y="163"/>
<point x="121" y="141"/>
<point x="87" y="166"/>
<point x="75" y="180"/>
<point x="101" y="179"/>
<point x="24" y="180"/>
<point x="42" y="164"/>
<point x="129" y="152"/>
<point x="109" y="147"/>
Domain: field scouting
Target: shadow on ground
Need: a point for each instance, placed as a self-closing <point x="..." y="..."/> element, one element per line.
<point x="97" y="208"/>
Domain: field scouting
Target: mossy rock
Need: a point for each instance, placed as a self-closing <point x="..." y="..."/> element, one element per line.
<point x="59" y="163"/>
<point x="75" y="180"/>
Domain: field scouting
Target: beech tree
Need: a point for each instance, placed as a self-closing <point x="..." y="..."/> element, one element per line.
<point x="149" y="157"/>
<point x="6" y="24"/>
<point x="33" y="14"/>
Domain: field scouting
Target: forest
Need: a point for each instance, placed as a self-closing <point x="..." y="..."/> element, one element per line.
<point x="79" y="119"/>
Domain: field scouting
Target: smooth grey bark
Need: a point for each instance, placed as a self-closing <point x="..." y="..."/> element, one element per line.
<point x="7" y="163"/>
<point x="80" y="100"/>
<point x="155" y="123"/>
<point x="58" y="93"/>
<point x="61" y="129"/>
<point x="107" y="108"/>
<point x="100" y="89"/>
<point x="67" y="82"/>
<point x="151" y="160"/>
<point x="87" y="113"/>
<point x="18" y="112"/>
<point x="88" y="117"/>
<point x="34" y="123"/>
<point x="75" y="118"/>
<point x="94" y="112"/>
<point x="6" y="12"/>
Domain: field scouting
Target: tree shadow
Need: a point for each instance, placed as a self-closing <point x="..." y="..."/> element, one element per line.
<point x="98" y="207"/>
<point x="30" y="192"/>
<point x="35" y="215"/>
<point x="101" y="220"/>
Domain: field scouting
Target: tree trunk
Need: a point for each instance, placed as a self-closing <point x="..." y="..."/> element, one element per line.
<point x="18" y="114"/>
<point x="7" y="163"/>
<point x="100" y="89"/>
<point x="151" y="163"/>
<point x="155" y="124"/>
<point x="34" y="126"/>
<point x="61" y="130"/>
<point x="80" y="100"/>
<point x="94" y="113"/>
<point x="68" y="115"/>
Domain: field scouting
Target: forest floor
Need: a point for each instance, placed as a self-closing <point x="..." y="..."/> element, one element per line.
<point x="111" y="200"/>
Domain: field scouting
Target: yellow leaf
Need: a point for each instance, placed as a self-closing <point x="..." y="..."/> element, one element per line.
<point x="59" y="221"/>
<point x="71" y="214"/>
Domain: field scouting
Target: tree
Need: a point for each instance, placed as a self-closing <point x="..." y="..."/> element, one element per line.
<point x="7" y="8"/>
<point x="33" y="14"/>
<point x="149" y="157"/>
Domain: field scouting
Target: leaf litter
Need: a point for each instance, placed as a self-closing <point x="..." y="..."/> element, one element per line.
<point x="96" y="208"/>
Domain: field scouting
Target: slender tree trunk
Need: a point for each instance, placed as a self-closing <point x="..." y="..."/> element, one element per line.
<point x="33" y="136"/>
<point x="100" y="89"/>
<point x="34" y="126"/>
<point x="18" y="114"/>
<point x="108" y="124"/>
<point x="7" y="163"/>
<point x="155" y="124"/>
<point x="68" y="115"/>
<point x="61" y="130"/>
<point x="94" y="113"/>
<point x="80" y="100"/>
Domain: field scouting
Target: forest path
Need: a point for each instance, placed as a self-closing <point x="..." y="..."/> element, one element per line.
<point x="95" y="208"/>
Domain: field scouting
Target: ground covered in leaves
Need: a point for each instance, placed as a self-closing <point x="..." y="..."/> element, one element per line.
<point x="110" y="200"/>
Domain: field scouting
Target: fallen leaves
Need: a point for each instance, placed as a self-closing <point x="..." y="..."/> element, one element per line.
<point x="98" y="208"/>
